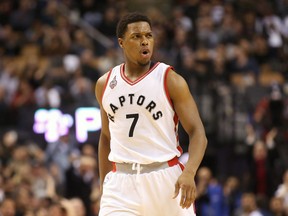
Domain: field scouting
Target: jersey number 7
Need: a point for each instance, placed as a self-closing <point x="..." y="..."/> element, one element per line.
<point x="135" y="118"/>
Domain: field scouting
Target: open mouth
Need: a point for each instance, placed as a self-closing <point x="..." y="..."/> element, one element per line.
<point x="145" y="53"/>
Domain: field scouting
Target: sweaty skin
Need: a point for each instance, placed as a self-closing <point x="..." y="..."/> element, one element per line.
<point x="137" y="45"/>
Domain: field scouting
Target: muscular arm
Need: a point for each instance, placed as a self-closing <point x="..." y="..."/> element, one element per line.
<point x="188" y="114"/>
<point x="104" y="140"/>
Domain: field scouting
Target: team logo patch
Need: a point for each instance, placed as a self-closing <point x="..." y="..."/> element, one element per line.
<point x="113" y="83"/>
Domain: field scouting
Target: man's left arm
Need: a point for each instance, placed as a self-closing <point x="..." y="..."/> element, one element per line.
<point x="189" y="117"/>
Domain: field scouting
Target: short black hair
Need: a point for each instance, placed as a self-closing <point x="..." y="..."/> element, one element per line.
<point x="131" y="17"/>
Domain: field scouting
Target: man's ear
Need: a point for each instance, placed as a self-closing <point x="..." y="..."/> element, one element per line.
<point x="120" y="41"/>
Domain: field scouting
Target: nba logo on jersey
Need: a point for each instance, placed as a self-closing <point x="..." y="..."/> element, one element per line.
<point x="113" y="83"/>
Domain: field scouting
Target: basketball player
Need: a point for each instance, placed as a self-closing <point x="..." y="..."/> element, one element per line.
<point x="141" y="102"/>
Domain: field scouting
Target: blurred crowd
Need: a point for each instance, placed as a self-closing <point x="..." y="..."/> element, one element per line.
<point x="232" y="53"/>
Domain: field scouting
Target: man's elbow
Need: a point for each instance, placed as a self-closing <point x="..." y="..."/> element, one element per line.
<point x="205" y="142"/>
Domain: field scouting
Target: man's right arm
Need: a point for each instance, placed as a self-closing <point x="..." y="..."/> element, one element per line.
<point x="105" y="165"/>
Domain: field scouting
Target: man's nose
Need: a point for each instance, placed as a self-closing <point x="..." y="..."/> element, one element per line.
<point x="144" y="41"/>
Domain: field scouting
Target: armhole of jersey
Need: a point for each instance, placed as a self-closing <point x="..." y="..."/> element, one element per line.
<point x="175" y="117"/>
<point x="106" y="83"/>
<point x="166" y="87"/>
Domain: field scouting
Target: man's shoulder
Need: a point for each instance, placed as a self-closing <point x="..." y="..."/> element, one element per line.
<point x="163" y="64"/>
<point x="102" y="79"/>
<point x="107" y="74"/>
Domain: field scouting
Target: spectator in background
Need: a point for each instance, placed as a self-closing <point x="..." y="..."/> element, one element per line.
<point x="251" y="23"/>
<point x="57" y="175"/>
<point x="23" y="105"/>
<point x="88" y="149"/>
<point x="282" y="190"/>
<point x="24" y="96"/>
<point x="2" y="185"/>
<point x="22" y="18"/>
<point x="8" y="144"/>
<point x="232" y="193"/>
<point x="179" y="46"/>
<point x="271" y="110"/>
<point x="262" y="171"/>
<point x="109" y="22"/>
<point x="42" y="182"/>
<point x="78" y="207"/>
<point x="220" y="72"/>
<point x="243" y="69"/>
<point x="248" y="206"/>
<point x="206" y="35"/>
<point x="276" y="206"/>
<point x="210" y="196"/>
<point x="48" y="95"/>
<point x="9" y="80"/>
<point x="181" y="20"/>
<point x="4" y="110"/>
<point x="80" y="179"/>
<point x="89" y="67"/>
<point x="91" y="11"/>
<point x="81" y="42"/>
<point x="105" y="62"/>
<point x="270" y="120"/>
<point x="8" y="207"/>
<point x="260" y="50"/>
<point x="95" y="202"/>
<point x="62" y="153"/>
<point x="82" y="92"/>
<point x="6" y="8"/>
<point x="23" y="197"/>
<point x="273" y="29"/>
<point x="10" y="41"/>
<point x="57" y="209"/>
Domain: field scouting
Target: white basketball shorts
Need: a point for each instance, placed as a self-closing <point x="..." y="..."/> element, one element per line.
<point x="144" y="194"/>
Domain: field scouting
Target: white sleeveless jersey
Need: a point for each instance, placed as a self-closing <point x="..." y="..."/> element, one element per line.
<point x="142" y="122"/>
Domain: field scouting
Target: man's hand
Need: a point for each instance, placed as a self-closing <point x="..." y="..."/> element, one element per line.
<point x="187" y="185"/>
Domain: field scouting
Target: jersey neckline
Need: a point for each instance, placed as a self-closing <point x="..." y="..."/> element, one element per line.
<point x="130" y="82"/>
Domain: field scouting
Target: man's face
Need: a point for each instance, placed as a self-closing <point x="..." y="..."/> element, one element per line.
<point x="138" y="43"/>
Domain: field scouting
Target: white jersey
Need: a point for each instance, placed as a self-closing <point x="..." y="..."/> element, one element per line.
<point x="142" y="122"/>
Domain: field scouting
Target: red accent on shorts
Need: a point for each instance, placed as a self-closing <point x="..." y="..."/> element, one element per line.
<point x="114" y="167"/>
<point x="174" y="162"/>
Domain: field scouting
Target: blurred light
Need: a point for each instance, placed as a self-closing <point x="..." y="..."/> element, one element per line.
<point x="53" y="123"/>
<point x="87" y="119"/>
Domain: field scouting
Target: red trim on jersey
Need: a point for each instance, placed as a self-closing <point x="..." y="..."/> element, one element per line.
<point x="176" y="120"/>
<point x="179" y="148"/>
<point x="106" y="83"/>
<point x="130" y="82"/>
<point x="194" y="208"/>
<point x="166" y="87"/>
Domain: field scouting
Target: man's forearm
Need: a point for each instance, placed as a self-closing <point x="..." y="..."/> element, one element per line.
<point x="196" y="151"/>
<point x="105" y="165"/>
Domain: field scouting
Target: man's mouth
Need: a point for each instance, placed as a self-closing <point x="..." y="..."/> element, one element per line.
<point x="145" y="52"/>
